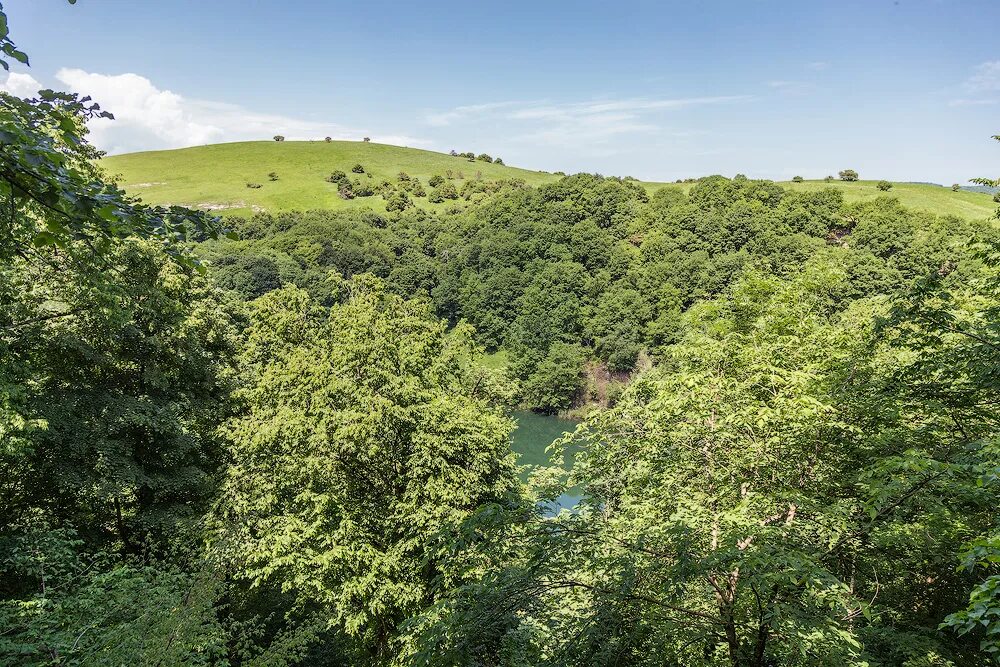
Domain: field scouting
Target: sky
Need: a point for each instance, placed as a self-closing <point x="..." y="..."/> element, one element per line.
<point x="907" y="90"/>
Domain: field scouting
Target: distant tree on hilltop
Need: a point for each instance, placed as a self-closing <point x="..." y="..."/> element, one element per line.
<point x="279" y="137"/>
<point x="884" y="186"/>
<point x="848" y="175"/>
<point x="797" y="179"/>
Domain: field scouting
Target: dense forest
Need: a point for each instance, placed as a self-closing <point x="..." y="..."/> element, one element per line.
<point x="277" y="441"/>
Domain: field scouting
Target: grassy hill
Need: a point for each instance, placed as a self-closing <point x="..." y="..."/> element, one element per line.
<point x="921" y="196"/>
<point x="214" y="177"/>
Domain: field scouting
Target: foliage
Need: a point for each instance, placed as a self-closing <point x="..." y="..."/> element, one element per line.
<point x="279" y="137"/>
<point x="884" y="186"/>
<point x="848" y="175"/>
<point x="367" y="441"/>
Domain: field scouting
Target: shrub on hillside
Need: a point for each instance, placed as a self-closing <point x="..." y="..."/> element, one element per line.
<point x="278" y="137"/>
<point x="402" y="177"/>
<point x="797" y="179"/>
<point x="417" y="189"/>
<point x="442" y="192"/>
<point x="848" y="175"/>
<point x="362" y="188"/>
<point x="367" y="139"/>
<point x="828" y="179"/>
<point x="398" y="202"/>
<point x="884" y="186"/>
<point x="327" y="139"/>
<point x="484" y="157"/>
<point x="253" y="186"/>
<point x="435" y="180"/>
<point x="345" y="191"/>
<point x="273" y="175"/>
<point x="338" y="177"/>
<point x="358" y="169"/>
<point x="497" y="161"/>
<point x="956" y="187"/>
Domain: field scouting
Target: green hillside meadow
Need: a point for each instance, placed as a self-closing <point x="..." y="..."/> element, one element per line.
<point x="215" y="177"/>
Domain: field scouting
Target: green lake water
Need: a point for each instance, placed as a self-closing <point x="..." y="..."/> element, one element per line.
<point x="534" y="433"/>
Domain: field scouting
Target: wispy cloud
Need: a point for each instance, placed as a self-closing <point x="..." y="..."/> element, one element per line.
<point x="572" y="123"/>
<point x="986" y="78"/>
<point x="148" y="117"/>
<point x="443" y="118"/>
<point x="818" y="65"/>
<point x="962" y="102"/>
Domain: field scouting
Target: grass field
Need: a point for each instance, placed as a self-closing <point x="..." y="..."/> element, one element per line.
<point x="934" y="198"/>
<point x="214" y="177"/>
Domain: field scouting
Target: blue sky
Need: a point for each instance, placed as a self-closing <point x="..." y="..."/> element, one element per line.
<point x="898" y="89"/>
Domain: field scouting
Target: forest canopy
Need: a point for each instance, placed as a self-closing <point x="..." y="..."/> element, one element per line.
<point x="282" y="443"/>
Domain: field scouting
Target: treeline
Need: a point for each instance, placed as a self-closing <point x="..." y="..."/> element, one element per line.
<point x="591" y="268"/>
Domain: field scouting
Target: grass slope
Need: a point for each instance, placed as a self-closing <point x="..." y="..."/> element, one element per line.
<point x="920" y="196"/>
<point x="215" y="176"/>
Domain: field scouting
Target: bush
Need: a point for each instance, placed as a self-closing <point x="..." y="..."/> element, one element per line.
<point x="797" y="179"/>
<point x="416" y="189"/>
<point x="848" y="175"/>
<point x="358" y="169"/>
<point x="398" y="202"/>
<point x="402" y="177"/>
<point x="497" y="161"/>
<point x="956" y="187"/>
<point x="278" y="137"/>
<point x="345" y="191"/>
<point x="338" y="177"/>
<point x="273" y="175"/>
<point x="884" y="186"/>
<point x="435" y="181"/>
<point x="442" y="192"/>
<point x="828" y="179"/>
<point x="362" y="188"/>
<point x="327" y="139"/>
<point x="483" y="157"/>
<point x="253" y="186"/>
<point x="367" y="139"/>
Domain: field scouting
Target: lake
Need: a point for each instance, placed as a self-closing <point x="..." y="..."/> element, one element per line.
<point x="534" y="433"/>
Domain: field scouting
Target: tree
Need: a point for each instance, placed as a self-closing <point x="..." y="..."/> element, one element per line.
<point x="828" y="179"/>
<point x="557" y="381"/>
<point x="497" y="161"/>
<point x="797" y="179"/>
<point x="367" y="139"/>
<point x="328" y="139"/>
<point x="279" y="137"/>
<point x="848" y="175"/>
<point x="368" y="461"/>
<point x="955" y="187"/>
<point x="884" y="186"/>
<point x="358" y="169"/>
<point x="435" y="180"/>
<point x="483" y="157"/>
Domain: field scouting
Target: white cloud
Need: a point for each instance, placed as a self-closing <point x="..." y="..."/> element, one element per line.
<point x="443" y="118"/>
<point x="986" y="78"/>
<point x="21" y="85"/>
<point x="962" y="102"/>
<point x="576" y="123"/>
<point x="818" y="65"/>
<point x="147" y="117"/>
